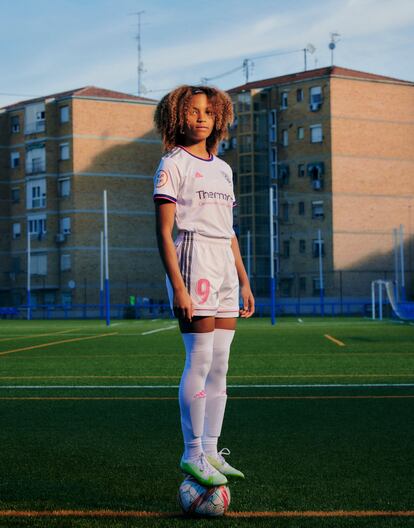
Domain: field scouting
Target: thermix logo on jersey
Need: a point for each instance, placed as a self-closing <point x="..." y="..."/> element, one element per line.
<point x="161" y="179"/>
<point x="212" y="195"/>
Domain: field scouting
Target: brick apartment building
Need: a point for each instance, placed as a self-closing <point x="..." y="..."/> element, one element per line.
<point x="338" y="147"/>
<point x="57" y="154"/>
<point x="336" y="144"/>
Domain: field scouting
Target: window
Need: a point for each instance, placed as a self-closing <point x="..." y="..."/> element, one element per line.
<point x="245" y="143"/>
<point x="302" y="246"/>
<point x="299" y="95"/>
<point x="300" y="133"/>
<point x="65" y="226"/>
<point x="37" y="225"/>
<point x="315" y="98"/>
<point x="302" y="284"/>
<point x="36" y="194"/>
<point x="301" y="170"/>
<point x="17" y="230"/>
<point x="245" y="164"/>
<point x="316" y="171"/>
<point x="273" y="163"/>
<point x="50" y="298"/>
<point x="316" y="285"/>
<point x="301" y="208"/>
<point x="286" y="248"/>
<point x="65" y="262"/>
<point x="64" y="151"/>
<point x="285" y="138"/>
<point x="64" y="114"/>
<point x="15" y="124"/>
<point x="316" y="133"/>
<point x="34" y="118"/>
<point x="244" y="123"/>
<point x="283" y="174"/>
<point x="64" y="188"/>
<point x="286" y="287"/>
<point x="67" y="299"/>
<point x="15" y="195"/>
<point x="285" y="212"/>
<point x="36" y="159"/>
<point x="245" y="101"/>
<point x="246" y="204"/>
<point x="245" y="184"/>
<point x="272" y="125"/>
<point x="317" y="247"/>
<point x="284" y="100"/>
<point x="317" y="210"/>
<point x="16" y="265"/>
<point x="38" y="265"/>
<point x="14" y="159"/>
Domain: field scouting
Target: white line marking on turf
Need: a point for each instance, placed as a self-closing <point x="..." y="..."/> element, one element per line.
<point x="286" y="386"/>
<point x="159" y="330"/>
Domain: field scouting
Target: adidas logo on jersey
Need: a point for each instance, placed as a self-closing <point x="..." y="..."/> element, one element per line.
<point x="199" y="175"/>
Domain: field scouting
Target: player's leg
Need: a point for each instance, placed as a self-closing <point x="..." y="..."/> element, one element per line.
<point x="198" y="337"/>
<point x="216" y="396"/>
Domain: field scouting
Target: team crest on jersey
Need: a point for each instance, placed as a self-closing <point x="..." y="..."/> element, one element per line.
<point x="161" y="179"/>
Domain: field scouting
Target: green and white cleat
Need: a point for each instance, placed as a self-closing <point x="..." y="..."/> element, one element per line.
<point x="203" y="471"/>
<point x="224" y="467"/>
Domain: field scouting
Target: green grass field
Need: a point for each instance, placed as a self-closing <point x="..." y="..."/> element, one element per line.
<point x="89" y="422"/>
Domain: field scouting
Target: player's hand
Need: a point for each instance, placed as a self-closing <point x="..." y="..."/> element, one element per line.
<point x="248" y="302"/>
<point x="183" y="305"/>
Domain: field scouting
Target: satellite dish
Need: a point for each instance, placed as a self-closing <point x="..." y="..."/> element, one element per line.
<point x="310" y="48"/>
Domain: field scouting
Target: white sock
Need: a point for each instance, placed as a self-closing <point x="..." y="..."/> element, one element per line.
<point x="216" y="390"/>
<point x="192" y="396"/>
<point x="193" y="449"/>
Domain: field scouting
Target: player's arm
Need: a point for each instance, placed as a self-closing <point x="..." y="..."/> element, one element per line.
<point x="245" y="290"/>
<point x="165" y="213"/>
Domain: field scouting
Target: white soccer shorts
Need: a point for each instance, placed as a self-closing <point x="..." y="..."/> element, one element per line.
<point x="208" y="268"/>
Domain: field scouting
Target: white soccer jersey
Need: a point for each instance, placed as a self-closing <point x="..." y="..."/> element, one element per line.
<point x="201" y="189"/>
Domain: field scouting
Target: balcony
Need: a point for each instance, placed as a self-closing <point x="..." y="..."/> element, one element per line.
<point x="35" y="127"/>
<point x="36" y="167"/>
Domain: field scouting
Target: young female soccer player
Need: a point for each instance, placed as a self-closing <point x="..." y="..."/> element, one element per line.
<point x="204" y="267"/>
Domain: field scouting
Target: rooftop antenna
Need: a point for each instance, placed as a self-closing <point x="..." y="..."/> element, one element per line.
<point x="247" y="65"/>
<point x="310" y="48"/>
<point x="140" y="66"/>
<point x="332" y="45"/>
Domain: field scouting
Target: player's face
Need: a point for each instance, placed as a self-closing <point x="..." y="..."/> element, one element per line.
<point x="199" y="121"/>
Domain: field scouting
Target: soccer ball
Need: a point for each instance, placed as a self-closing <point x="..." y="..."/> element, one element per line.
<point x="196" y="499"/>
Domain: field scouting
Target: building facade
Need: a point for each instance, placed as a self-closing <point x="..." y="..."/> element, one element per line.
<point x="57" y="155"/>
<point x="337" y="147"/>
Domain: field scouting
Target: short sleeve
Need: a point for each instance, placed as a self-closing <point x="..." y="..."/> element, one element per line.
<point x="166" y="181"/>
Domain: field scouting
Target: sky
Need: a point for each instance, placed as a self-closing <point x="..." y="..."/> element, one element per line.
<point x="49" y="46"/>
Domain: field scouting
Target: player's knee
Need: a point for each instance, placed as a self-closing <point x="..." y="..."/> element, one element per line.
<point x="219" y="369"/>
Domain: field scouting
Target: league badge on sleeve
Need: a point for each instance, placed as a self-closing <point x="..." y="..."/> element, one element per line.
<point x="161" y="179"/>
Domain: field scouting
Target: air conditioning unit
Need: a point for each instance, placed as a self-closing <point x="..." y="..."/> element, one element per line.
<point x="60" y="237"/>
<point x="317" y="184"/>
<point x="314" y="107"/>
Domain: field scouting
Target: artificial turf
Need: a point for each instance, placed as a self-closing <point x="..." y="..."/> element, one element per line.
<point x="301" y="421"/>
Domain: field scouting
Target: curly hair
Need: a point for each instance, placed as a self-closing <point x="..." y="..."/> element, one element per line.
<point x="171" y="112"/>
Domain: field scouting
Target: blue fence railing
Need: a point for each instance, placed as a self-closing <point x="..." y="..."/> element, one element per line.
<point x="162" y="310"/>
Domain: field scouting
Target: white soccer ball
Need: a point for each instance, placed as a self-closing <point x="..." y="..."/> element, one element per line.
<point x="196" y="499"/>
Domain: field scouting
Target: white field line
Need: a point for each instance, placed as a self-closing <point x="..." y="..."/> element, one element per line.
<point x="267" y="386"/>
<point x="159" y="330"/>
